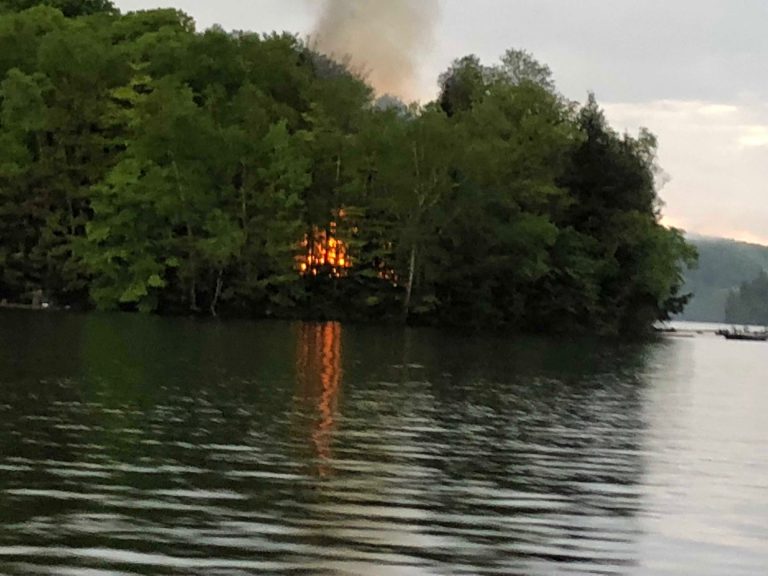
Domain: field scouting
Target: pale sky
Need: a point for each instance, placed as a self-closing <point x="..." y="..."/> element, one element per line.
<point x="692" y="71"/>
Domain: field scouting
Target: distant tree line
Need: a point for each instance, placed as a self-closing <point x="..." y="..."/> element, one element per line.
<point x="722" y="265"/>
<point x="748" y="304"/>
<point x="146" y="166"/>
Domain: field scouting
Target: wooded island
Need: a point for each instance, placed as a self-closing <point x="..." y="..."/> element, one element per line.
<point x="146" y="166"/>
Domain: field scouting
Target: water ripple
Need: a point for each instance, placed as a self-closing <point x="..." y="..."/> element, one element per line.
<point x="323" y="457"/>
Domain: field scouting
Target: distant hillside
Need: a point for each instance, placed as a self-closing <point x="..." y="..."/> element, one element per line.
<point x="723" y="266"/>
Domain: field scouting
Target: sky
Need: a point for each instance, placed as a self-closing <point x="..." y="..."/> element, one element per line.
<point x="691" y="71"/>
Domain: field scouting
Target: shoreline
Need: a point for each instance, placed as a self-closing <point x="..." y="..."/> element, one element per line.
<point x="29" y="307"/>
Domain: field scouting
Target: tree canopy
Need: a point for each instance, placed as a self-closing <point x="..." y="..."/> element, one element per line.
<point x="69" y="8"/>
<point x="147" y="166"/>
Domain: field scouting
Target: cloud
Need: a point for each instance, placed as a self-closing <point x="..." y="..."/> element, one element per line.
<point x="295" y="16"/>
<point x="718" y="110"/>
<point x="717" y="157"/>
<point x="628" y="51"/>
<point x="756" y="136"/>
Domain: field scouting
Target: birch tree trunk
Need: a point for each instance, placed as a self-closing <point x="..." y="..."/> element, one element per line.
<point x="409" y="287"/>
<point x="217" y="294"/>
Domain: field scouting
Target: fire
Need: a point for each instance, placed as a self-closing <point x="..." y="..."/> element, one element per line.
<point x="324" y="252"/>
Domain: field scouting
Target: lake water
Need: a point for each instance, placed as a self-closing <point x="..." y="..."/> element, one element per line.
<point x="138" y="446"/>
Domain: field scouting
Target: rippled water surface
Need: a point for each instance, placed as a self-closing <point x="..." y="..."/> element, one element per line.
<point x="138" y="446"/>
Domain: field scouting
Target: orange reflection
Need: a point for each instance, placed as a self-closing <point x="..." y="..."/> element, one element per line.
<point x="319" y="372"/>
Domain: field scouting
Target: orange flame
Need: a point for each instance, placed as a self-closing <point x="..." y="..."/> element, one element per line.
<point x="324" y="252"/>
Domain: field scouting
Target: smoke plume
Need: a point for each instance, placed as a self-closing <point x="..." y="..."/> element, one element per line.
<point x="384" y="38"/>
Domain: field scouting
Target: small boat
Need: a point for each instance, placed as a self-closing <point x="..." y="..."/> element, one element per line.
<point x="744" y="335"/>
<point x="749" y="337"/>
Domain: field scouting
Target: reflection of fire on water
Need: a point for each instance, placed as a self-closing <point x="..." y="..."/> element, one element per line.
<point x="319" y="373"/>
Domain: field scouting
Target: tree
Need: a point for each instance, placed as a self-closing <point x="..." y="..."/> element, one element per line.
<point x="22" y="121"/>
<point x="172" y="168"/>
<point x="501" y="233"/>
<point x="519" y="66"/>
<point x="144" y="165"/>
<point x="612" y="179"/>
<point x="70" y="8"/>
<point x="462" y="85"/>
<point x="427" y="182"/>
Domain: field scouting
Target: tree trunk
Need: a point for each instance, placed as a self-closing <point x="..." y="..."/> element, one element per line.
<point x="217" y="294"/>
<point x="193" y="282"/>
<point x="409" y="287"/>
<point x="71" y="207"/>
<point x="193" y="296"/>
<point x="243" y="200"/>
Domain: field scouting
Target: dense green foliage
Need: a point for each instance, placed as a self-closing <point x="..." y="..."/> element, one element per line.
<point x="146" y="166"/>
<point x="723" y="266"/>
